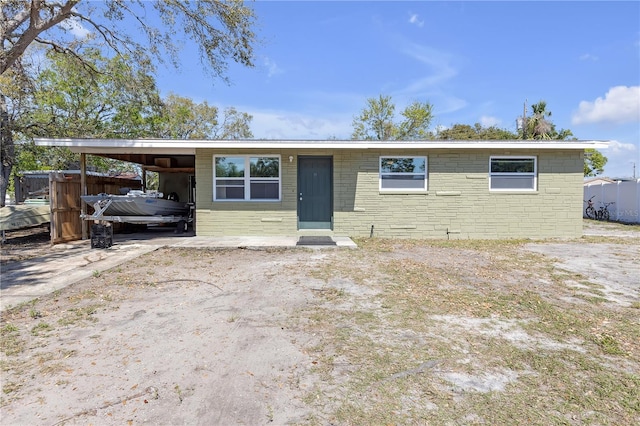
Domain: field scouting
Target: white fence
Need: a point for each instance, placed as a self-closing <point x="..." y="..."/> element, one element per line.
<point x="624" y="194"/>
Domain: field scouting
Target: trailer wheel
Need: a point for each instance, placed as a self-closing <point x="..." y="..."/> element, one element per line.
<point x="182" y="226"/>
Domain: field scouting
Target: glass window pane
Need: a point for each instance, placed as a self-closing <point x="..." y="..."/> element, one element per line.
<point x="402" y="182"/>
<point x="229" y="167"/>
<point x="230" y="192"/>
<point x="512" y="165"/>
<point x="229" y="182"/>
<point x="512" y="182"/>
<point x="265" y="190"/>
<point x="245" y="178"/>
<point x="264" y="167"/>
<point x="402" y="164"/>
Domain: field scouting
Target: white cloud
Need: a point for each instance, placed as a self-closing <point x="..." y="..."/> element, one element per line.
<point x="622" y="157"/>
<point x="415" y="20"/>
<point x="444" y="103"/>
<point x="272" y="67"/>
<point x="621" y="104"/>
<point x="588" y="57"/>
<point x="617" y="147"/>
<point x="75" y="27"/>
<point x="438" y="62"/>
<point x="488" y="121"/>
<point x="293" y="125"/>
<point x="437" y="70"/>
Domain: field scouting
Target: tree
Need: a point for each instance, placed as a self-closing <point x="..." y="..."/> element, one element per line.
<point x="15" y="91"/>
<point x="70" y="101"/>
<point x="476" y="132"/>
<point x="376" y="121"/>
<point x="222" y="30"/>
<point x="184" y="119"/>
<point x="95" y="97"/>
<point x="235" y="125"/>
<point x="594" y="162"/>
<point x="540" y="127"/>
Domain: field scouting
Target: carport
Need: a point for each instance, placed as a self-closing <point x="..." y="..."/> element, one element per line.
<point x="175" y="166"/>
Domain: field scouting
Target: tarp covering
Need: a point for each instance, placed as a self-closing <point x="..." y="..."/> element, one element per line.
<point x="24" y="216"/>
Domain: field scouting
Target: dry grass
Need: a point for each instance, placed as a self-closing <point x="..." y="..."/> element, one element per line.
<point x="407" y="332"/>
<point x="492" y="340"/>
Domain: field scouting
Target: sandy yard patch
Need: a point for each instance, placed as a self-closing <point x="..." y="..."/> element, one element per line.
<point x="395" y="332"/>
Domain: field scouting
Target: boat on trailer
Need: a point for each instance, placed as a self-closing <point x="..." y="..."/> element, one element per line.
<point x="138" y="207"/>
<point x="136" y="203"/>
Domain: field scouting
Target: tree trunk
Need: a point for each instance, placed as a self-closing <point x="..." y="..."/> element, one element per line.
<point x="8" y="149"/>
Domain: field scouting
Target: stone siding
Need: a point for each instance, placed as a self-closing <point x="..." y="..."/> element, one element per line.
<point x="457" y="203"/>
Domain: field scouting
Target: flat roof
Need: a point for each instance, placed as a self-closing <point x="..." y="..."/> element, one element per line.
<point x="189" y="146"/>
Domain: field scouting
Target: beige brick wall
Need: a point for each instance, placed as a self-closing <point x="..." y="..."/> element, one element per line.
<point x="458" y="203"/>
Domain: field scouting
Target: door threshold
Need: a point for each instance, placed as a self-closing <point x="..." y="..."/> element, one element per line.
<point x="314" y="226"/>
<point x="315" y="232"/>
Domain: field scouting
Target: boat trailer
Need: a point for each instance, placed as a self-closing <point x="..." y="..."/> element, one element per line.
<point x="102" y="205"/>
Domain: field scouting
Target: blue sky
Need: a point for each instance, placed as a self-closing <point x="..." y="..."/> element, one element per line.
<point x="318" y="62"/>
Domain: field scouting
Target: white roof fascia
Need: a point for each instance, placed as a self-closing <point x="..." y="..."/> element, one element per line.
<point x="188" y="146"/>
<point x="120" y="146"/>
<point x="132" y="150"/>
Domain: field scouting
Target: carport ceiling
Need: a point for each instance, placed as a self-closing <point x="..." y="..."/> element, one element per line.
<point x="151" y="161"/>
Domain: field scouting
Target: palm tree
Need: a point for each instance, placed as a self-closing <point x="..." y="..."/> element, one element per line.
<point x="538" y="127"/>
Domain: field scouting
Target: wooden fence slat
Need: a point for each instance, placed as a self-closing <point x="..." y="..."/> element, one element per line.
<point x="65" y="201"/>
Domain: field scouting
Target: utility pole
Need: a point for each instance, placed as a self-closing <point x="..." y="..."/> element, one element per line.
<point x="524" y="121"/>
<point x="521" y="122"/>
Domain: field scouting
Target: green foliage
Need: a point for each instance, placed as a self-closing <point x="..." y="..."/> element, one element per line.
<point x="41" y="327"/>
<point x="608" y="344"/>
<point x="376" y="121"/>
<point x="235" y="125"/>
<point x="93" y="97"/>
<point x="540" y="127"/>
<point x="594" y="162"/>
<point x="459" y="132"/>
<point x="106" y="98"/>
<point x="221" y="30"/>
<point x="182" y="118"/>
<point x="417" y="118"/>
<point x="90" y="97"/>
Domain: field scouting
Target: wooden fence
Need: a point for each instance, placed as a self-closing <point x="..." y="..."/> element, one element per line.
<point x="66" y="204"/>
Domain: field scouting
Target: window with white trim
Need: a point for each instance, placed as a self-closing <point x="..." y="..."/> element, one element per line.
<point x="246" y="178"/>
<point x="513" y="173"/>
<point x="403" y="173"/>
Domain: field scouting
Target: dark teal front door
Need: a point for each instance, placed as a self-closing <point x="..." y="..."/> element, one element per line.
<point x="315" y="192"/>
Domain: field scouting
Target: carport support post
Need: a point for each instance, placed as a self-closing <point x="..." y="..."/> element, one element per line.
<point x="83" y="191"/>
<point x="144" y="179"/>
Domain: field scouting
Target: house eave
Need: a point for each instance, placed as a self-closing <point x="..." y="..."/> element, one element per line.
<point x="189" y="146"/>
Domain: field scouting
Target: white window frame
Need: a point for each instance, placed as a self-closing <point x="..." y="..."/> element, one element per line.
<point x="533" y="174"/>
<point x="247" y="179"/>
<point x="403" y="190"/>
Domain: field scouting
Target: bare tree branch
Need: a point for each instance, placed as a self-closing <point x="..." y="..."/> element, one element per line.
<point x="36" y="26"/>
<point x="221" y="29"/>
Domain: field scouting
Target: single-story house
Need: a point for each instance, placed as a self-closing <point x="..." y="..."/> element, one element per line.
<point x="405" y="189"/>
<point x="598" y="181"/>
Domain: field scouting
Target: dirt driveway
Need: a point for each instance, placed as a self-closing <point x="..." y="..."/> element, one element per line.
<point x="394" y="332"/>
